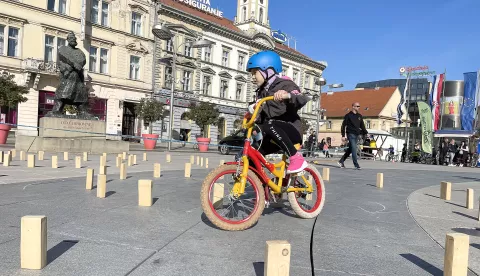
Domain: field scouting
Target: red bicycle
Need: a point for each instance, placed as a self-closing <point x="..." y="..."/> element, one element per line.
<point x="234" y="195"/>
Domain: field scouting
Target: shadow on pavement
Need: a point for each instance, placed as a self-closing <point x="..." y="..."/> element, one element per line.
<point x="109" y="193"/>
<point x="58" y="250"/>
<point x="468" y="178"/>
<point x="465" y="215"/>
<point x="432" y="196"/>
<point x="428" y="267"/>
<point x="259" y="268"/>
<point x="154" y="200"/>
<point x="475" y="245"/>
<point x="468" y="231"/>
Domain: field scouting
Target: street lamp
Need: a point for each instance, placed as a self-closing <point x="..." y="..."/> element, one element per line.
<point x="164" y="32"/>
<point x="320" y="82"/>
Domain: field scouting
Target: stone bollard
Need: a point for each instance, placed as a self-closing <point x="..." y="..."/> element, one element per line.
<point x="222" y="162"/>
<point x="33" y="242"/>
<point x="101" y="185"/>
<point x="188" y="170"/>
<point x="89" y="181"/>
<point x="156" y="170"/>
<point x="13" y="153"/>
<point x="445" y="190"/>
<point x="78" y="162"/>
<point x="105" y="155"/>
<point x="192" y="159"/>
<point x="65" y="156"/>
<point x="124" y="155"/>
<point x="312" y="182"/>
<point x="169" y="158"/>
<point x="85" y="156"/>
<point x="134" y="159"/>
<point x="218" y="194"/>
<point x="22" y="155"/>
<point x="379" y="180"/>
<point x="31" y="161"/>
<point x="41" y="155"/>
<point x="469" y="204"/>
<point x="201" y="162"/>
<point x="1" y="156"/>
<point x="206" y="163"/>
<point x="123" y="171"/>
<point x="277" y="258"/>
<point x="144" y="156"/>
<point x="119" y="161"/>
<point x="478" y="218"/>
<point x="456" y="254"/>
<point x="6" y="160"/>
<point x="103" y="170"/>
<point x="103" y="161"/>
<point x="326" y="174"/>
<point x="55" y="161"/>
<point x="145" y="193"/>
<point x="130" y="160"/>
<point x="198" y="160"/>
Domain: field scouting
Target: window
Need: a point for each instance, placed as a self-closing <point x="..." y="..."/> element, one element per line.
<point x="241" y="62"/>
<point x="329" y="125"/>
<point x="169" y="45"/>
<point x="104" y="61"/>
<point x="94" y="65"/>
<point x="134" y="67"/>
<point x="206" y="85"/>
<point x="223" y="89"/>
<point x="260" y="16"/>
<point x="93" y="59"/>
<point x="104" y="14"/>
<point x="207" y="54"/>
<point x="168" y="76"/>
<point x="49" y="47"/>
<point x="225" y="54"/>
<point x="136" y="23"/>
<point x="59" y="6"/>
<point x="295" y="76"/>
<point x="244" y="13"/>
<point x="307" y="81"/>
<point x="188" y="48"/>
<point x="367" y="124"/>
<point x="12" y="50"/>
<point x="186" y="80"/>
<point x="94" y="12"/>
<point x="238" y="92"/>
<point x="2" y="39"/>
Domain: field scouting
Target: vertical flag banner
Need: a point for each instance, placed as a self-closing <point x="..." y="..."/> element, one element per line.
<point x="467" y="114"/>
<point x="426" y="123"/>
<point x="437" y="89"/>
<point x="402" y="102"/>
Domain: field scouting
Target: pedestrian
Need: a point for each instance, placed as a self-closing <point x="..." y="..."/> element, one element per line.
<point x="352" y="127"/>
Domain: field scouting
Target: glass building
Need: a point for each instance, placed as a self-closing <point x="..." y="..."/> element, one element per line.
<point x="419" y="91"/>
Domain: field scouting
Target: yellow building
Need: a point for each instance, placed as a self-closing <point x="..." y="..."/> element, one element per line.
<point x="377" y="106"/>
<point x="115" y="37"/>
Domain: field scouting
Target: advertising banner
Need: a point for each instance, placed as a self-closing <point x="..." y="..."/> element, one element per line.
<point x="426" y="123"/>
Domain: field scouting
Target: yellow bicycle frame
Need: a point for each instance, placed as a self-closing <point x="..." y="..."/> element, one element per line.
<point x="278" y="168"/>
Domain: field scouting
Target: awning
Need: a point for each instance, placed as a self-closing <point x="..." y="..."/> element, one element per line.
<point x="378" y="132"/>
<point x="454" y="133"/>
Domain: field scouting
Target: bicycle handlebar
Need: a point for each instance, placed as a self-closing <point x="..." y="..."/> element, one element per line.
<point x="250" y="123"/>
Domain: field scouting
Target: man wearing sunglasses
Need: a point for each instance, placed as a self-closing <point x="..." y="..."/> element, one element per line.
<point x="352" y="126"/>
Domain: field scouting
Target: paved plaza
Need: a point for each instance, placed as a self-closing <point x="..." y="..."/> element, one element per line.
<point x="362" y="230"/>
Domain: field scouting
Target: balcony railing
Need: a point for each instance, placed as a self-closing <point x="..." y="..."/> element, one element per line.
<point x="40" y="66"/>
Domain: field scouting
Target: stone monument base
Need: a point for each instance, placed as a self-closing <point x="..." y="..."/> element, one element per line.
<point x="71" y="135"/>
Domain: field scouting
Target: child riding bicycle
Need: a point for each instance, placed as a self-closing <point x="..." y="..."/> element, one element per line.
<point x="278" y="120"/>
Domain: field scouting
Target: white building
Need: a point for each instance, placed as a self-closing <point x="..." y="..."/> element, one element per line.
<point x="217" y="74"/>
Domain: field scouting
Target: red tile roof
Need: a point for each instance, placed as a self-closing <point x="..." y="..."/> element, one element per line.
<point x="337" y="103"/>
<point x="227" y="23"/>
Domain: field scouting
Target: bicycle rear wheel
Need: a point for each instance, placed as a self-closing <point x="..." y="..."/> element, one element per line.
<point x="220" y="206"/>
<point x="311" y="204"/>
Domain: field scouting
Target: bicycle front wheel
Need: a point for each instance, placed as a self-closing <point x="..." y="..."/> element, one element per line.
<point x="308" y="205"/>
<point x="223" y="209"/>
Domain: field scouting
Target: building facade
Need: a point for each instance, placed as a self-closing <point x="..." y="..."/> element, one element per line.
<point x="377" y="106"/>
<point x="126" y="63"/>
<point x="217" y="74"/>
<point x="418" y="91"/>
<point x="115" y="37"/>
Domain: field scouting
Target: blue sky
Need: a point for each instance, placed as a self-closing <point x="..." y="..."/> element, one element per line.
<point x="371" y="39"/>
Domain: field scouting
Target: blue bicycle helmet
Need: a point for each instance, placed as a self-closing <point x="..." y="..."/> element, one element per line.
<point x="264" y="60"/>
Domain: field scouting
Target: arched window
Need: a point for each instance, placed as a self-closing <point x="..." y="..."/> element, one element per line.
<point x="244" y="13"/>
<point x="260" y="17"/>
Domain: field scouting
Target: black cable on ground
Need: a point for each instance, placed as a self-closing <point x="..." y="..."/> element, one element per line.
<point x="311" y="247"/>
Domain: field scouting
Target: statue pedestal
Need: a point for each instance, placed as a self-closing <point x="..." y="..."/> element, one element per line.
<point x="71" y="135"/>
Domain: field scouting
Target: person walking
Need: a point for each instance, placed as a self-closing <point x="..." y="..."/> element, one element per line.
<point x="352" y="127"/>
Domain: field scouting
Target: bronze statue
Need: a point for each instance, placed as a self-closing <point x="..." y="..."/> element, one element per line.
<point x="72" y="89"/>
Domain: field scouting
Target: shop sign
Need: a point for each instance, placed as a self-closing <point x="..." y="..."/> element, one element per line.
<point x="203" y="5"/>
<point x="415" y="71"/>
<point x="279" y="36"/>
<point x="183" y="95"/>
<point x="176" y="102"/>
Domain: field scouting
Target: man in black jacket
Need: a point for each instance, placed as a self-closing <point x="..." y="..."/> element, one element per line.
<point x="352" y="126"/>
